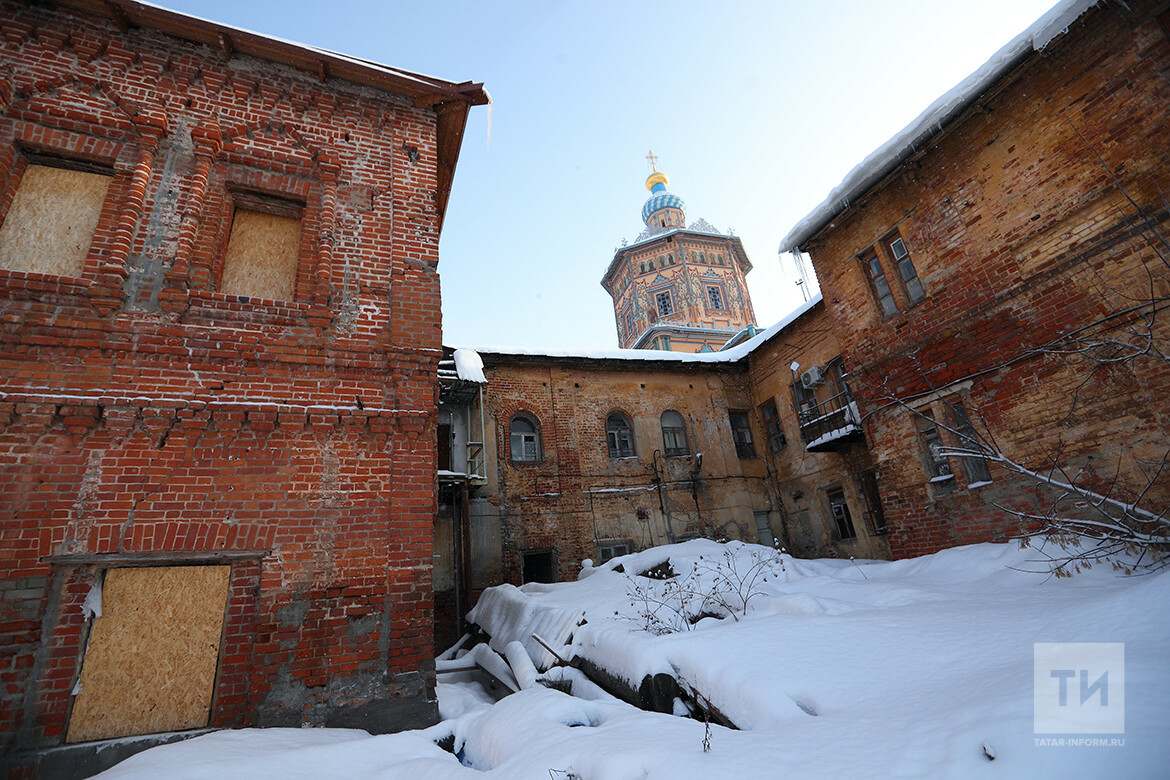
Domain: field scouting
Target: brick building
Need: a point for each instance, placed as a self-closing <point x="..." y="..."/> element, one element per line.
<point x="995" y="275"/>
<point x="219" y="335"/>
<point x="558" y="458"/>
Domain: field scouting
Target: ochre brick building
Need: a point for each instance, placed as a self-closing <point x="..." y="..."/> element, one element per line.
<point x="1003" y="278"/>
<point x="560" y="458"/>
<point x="219" y="335"/>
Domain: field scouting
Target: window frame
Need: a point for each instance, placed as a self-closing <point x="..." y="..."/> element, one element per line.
<point x="619" y="439"/>
<point x="715" y="291"/>
<point x="741" y="435"/>
<point x="69" y="157"/>
<point x="842" y="521"/>
<point x="537" y="455"/>
<point x="937" y="466"/>
<point x="770" y="413"/>
<point x="875" y="274"/>
<point x="673" y="432"/>
<point x="902" y="262"/>
<point x="669" y="293"/>
<point x="611" y="545"/>
<point x="977" y="470"/>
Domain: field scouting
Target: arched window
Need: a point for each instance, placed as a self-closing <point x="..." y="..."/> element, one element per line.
<point x="619" y="433"/>
<point x="524" y="434"/>
<point x="674" y="434"/>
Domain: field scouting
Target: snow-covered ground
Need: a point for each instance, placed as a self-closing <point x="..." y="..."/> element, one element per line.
<point x="914" y="668"/>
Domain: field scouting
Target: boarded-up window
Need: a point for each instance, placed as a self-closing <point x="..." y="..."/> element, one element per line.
<point x="263" y="249"/>
<point x="150" y="663"/>
<point x="51" y="221"/>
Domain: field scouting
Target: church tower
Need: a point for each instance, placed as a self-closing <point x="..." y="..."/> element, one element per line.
<point x="678" y="287"/>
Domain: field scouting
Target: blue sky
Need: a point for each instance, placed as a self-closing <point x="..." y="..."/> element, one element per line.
<point x="754" y="109"/>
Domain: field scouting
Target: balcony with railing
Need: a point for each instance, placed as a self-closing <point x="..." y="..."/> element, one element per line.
<point x="829" y="425"/>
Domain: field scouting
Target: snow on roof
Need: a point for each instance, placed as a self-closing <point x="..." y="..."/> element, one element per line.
<point x="469" y="365"/>
<point x="931" y="121"/>
<point x="727" y="356"/>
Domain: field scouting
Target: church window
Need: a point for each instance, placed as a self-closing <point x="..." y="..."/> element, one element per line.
<point x="664" y="303"/>
<point x="715" y="298"/>
<point x="670" y="259"/>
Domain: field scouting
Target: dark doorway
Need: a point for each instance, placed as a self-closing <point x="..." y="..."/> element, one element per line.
<point x="873" y="501"/>
<point x="444" y="446"/>
<point x="540" y="566"/>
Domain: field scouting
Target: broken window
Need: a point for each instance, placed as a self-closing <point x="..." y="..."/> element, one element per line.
<point x="539" y="566"/>
<point x="741" y="433"/>
<point x="674" y="434"/>
<point x="764" y="529"/>
<point x="524" y="436"/>
<point x="840" y="511"/>
<point x="264" y="247"/>
<point x="975" y="467"/>
<point x="936" y="463"/>
<point x="879" y="285"/>
<point x="53" y="215"/>
<point x="776" y="439"/>
<point x="619" y="434"/>
<point x="609" y="549"/>
<point x="914" y="291"/>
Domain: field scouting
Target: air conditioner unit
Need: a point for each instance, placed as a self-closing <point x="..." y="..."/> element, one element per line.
<point x="813" y="377"/>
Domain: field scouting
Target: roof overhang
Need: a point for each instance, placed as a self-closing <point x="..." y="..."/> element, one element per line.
<point x="936" y="119"/>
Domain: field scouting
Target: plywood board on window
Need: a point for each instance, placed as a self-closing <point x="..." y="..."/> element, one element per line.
<point x="261" y="257"/>
<point x="150" y="664"/>
<point x="51" y="221"/>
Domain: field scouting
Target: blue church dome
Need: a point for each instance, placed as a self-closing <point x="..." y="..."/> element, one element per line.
<point x="662" y="200"/>
<point x="659" y="198"/>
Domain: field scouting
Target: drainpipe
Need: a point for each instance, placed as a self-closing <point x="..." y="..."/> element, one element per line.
<point x="663" y="501"/>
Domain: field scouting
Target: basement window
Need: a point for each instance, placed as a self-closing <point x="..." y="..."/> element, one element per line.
<point x="53" y="215"/>
<point x="539" y="566"/>
<point x="264" y="247"/>
<point x="608" y="549"/>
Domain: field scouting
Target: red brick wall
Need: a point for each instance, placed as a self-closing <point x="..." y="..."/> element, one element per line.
<point x="1019" y="233"/>
<point x="143" y="412"/>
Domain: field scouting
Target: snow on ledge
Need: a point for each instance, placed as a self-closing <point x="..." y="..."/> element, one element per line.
<point x="890" y="154"/>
